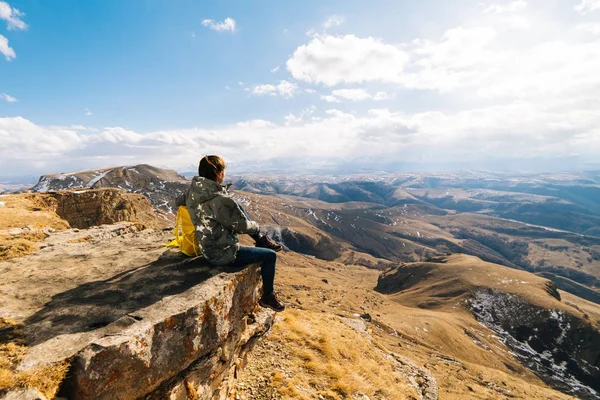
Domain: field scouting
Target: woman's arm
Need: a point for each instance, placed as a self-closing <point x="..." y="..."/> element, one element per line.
<point x="228" y="214"/>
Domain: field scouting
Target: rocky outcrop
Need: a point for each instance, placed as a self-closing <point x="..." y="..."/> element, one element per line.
<point x="128" y="317"/>
<point x="190" y="344"/>
<point x="87" y="208"/>
<point x="160" y="186"/>
<point x="322" y="247"/>
<point x="83" y="209"/>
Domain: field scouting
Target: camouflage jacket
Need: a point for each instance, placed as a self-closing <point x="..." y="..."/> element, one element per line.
<point x="217" y="218"/>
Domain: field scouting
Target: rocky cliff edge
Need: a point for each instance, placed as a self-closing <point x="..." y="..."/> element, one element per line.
<point x="123" y="317"/>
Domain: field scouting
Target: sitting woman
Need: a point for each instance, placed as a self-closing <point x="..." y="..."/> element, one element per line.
<point x="218" y="220"/>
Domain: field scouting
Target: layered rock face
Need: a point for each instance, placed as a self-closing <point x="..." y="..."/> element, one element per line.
<point x="87" y="208"/>
<point x="83" y="209"/>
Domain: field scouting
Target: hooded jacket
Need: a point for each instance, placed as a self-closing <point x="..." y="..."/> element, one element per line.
<point x="217" y="218"/>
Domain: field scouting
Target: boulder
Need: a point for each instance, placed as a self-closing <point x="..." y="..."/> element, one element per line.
<point x="188" y="344"/>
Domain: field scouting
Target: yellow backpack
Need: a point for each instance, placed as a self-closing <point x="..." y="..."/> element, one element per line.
<point x="185" y="234"/>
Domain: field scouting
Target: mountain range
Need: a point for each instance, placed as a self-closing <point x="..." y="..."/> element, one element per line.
<point x="485" y="285"/>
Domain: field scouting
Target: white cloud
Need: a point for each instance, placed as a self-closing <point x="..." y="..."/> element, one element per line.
<point x="587" y="6"/>
<point x="382" y="96"/>
<point x="12" y="16"/>
<point x="354" y="95"/>
<point x="284" y="88"/>
<point x="5" y="97"/>
<point x="334" y="20"/>
<point x="593" y="28"/>
<point x="5" y="49"/>
<point x="255" y="124"/>
<point x="228" y="24"/>
<point x="330" y="99"/>
<point x="503" y="8"/>
<point x="516" y="22"/>
<point x="472" y="62"/>
<point x="275" y="69"/>
<point x="555" y="129"/>
<point x="468" y="60"/>
<point x="332" y="60"/>
<point x="291" y="119"/>
<point x="88" y="112"/>
<point x="264" y="89"/>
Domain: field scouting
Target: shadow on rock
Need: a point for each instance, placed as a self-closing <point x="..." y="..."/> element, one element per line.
<point x="94" y="305"/>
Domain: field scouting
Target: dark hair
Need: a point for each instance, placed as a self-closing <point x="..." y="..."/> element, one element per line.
<point x="210" y="167"/>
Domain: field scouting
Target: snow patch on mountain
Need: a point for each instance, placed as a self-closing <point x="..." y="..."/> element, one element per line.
<point x="539" y="338"/>
<point x="97" y="178"/>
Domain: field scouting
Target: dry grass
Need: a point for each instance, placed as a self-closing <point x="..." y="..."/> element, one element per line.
<point x="16" y="247"/>
<point x="334" y="360"/>
<point x="81" y="239"/>
<point x="35" y="211"/>
<point x="30" y="209"/>
<point x="12" y="246"/>
<point x="12" y="350"/>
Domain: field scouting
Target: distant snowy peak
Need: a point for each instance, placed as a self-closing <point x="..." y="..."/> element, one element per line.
<point x="159" y="185"/>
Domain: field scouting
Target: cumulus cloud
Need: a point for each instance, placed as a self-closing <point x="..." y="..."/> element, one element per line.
<point x="5" y="49"/>
<point x="470" y="60"/>
<point x="6" y="97"/>
<point x="12" y="16"/>
<point x="255" y="124"/>
<point x="333" y="60"/>
<point x="593" y="28"/>
<point x="354" y="95"/>
<point x="284" y="88"/>
<point x="228" y="24"/>
<point x="507" y="7"/>
<point x="587" y="6"/>
<point x="515" y="131"/>
<point x="330" y="99"/>
<point x="334" y="20"/>
<point x="291" y="119"/>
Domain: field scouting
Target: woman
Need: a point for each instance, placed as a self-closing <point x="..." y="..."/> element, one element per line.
<point x="218" y="220"/>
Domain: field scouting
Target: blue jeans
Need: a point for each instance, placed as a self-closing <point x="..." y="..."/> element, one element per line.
<point x="252" y="255"/>
<point x="268" y="258"/>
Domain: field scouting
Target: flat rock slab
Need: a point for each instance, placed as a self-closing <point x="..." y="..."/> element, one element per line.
<point x="130" y="316"/>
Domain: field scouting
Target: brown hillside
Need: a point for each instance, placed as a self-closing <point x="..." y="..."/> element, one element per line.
<point x="27" y="218"/>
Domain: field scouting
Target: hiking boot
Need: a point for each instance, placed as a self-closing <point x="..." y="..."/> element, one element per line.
<point x="271" y="302"/>
<point x="266" y="242"/>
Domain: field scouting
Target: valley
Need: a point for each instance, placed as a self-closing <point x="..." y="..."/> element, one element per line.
<point x="392" y="292"/>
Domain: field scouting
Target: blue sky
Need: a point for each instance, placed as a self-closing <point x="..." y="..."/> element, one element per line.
<point x="148" y="65"/>
<point x="480" y="84"/>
